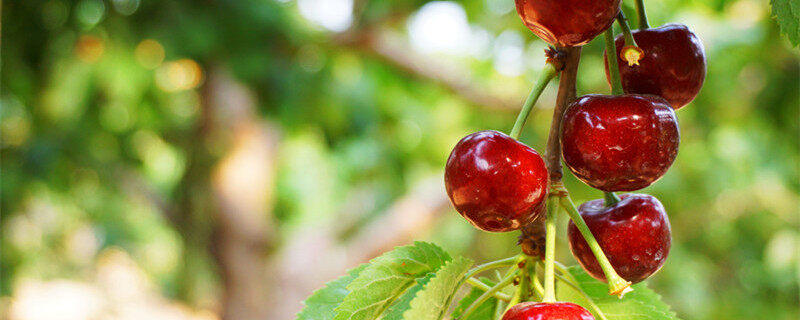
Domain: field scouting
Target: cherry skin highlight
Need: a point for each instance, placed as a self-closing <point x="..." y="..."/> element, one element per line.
<point x="673" y="65"/>
<point x="619" y="143"/>
<point x="547" y="311"/>
<point x="497" y="183"/>
<point x="567" y="23"/>
<point x="633" y="233"/>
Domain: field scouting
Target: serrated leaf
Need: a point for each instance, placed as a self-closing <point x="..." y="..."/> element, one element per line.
<point x="484" y="312"/>
<point x="641" y="304"/>
<point x="388" y="276"/>
<point x="321" y="304"/>
<point x="432" y="301"/>
<point x="395" y="312"/>
<point x="787" y="13"/>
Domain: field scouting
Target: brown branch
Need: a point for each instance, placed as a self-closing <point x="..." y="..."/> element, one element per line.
<point x="533" y="235"/>
<point x="566" y="94"/>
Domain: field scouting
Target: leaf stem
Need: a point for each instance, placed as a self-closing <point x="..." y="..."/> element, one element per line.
<point x="548" y="73"/>
<point x="613" y="66"/>
<point x="485" y="287"/>
<point x="550" y="250"/>
<point x="642" y="15"/>
<point x="616" y="284"/>
<point x="489" y="293"/>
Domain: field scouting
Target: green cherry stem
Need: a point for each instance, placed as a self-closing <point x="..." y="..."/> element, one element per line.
<point x="616" y="285"/>
<point x="630" y="52"/>
<point x="611" y="198"/>
<point x="489" y="293"/>
<point x="550" y="250"/>
<point x="626" y="29"/>
<point x="510" y="261"/>
<point x="485" y="287"/>
<point x="642" y="15"/>
<point x="537" y="286"/>
<point x="613" y="67"/>
<point x="567" y="277"/>
<point x="548" y="73"/>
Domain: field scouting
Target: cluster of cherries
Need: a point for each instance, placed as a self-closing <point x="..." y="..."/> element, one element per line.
<point x="610" y="142"/>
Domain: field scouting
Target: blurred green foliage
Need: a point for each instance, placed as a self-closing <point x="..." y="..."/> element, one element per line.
<point x="84" y="96"/>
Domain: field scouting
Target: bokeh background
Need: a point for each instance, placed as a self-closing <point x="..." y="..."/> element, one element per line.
<point x="208" y="159"/>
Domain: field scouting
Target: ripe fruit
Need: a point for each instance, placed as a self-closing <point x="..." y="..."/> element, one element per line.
<point x="496" y="182"/>
<point x="547" y="311"/>
<point x="567" y="23"/>
<point x="673" y="66"/>
<point x="619" y="143"/>
<point x="633" y="233"/>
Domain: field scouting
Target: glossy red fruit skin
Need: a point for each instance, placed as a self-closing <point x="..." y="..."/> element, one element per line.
<point x="634" y="234"/>
<point x="619" y="143"/>
<point x="547" y="311"/>
<point x="495" y="181"/>
<point x="673" y="66"/>
<point x="567" y="23"/>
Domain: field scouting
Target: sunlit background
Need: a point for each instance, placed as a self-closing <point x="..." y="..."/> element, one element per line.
<point x="222" y="159"/>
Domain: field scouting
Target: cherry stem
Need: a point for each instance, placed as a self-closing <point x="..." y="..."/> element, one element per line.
<point x="616" y="285"/>
<point x="550" y="250"/>
<point x="538" y="290"/>
<point x="611" y="198"/>
<point x="485" y="287"/>
<point x="626" y="29"/>
<point x="489" y="293"/>
<point x="548" y="73"/>
<point x="510" y="261"/>
<point x="613" y="66"/>
<point x="642" y="15"/>
<point x="568" y="278"/>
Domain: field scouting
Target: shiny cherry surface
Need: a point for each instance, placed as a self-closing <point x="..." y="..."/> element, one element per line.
<point x="495" y="181"/>
<point x="619" y="143"/>
<point x="567" y="23"/>
<point x="547" y="311"/>
<point x="634" y="234"/>
<point x="673" y="66"/>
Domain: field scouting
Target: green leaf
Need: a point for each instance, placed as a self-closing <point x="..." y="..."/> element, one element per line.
<point x="388" y="276"/>
<point x="431" y="303"/>
<point x="395" y="312"/>
<point x="641" y="304"/>
<point x="787" y="13"/>
<point x="484" y="312"/>
<point x="321" y="303"/>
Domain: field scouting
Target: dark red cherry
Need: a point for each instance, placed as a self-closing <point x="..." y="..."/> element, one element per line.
<point x="567" y="23"/>
<point x="547" y="311"/>
<point x="496" y="182"/>
<point x="619" y="143"/>
<point x="673" y="65"/>
<point x="633" y="233"/>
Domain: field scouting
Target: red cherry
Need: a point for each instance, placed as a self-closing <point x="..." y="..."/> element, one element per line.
<point x="567" y="23"/>
<point x="547" y="311"/>
<point x="496" y="182"/>
<point x="633" y="233"/>
<point x="619" y="143"/>
<point x="673" y="65"/>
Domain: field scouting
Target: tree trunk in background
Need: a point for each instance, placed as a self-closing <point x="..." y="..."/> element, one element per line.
<point x="243" y="186"/>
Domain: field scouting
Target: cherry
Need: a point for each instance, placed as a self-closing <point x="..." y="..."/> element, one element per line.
<point x="495" y="181"/>
<point x="547" y="311"/>
<point x="673" y="66"/>
<point x="619" y="143"/>
<point x="633" y="233"/>
<point x="567" y="23"/>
